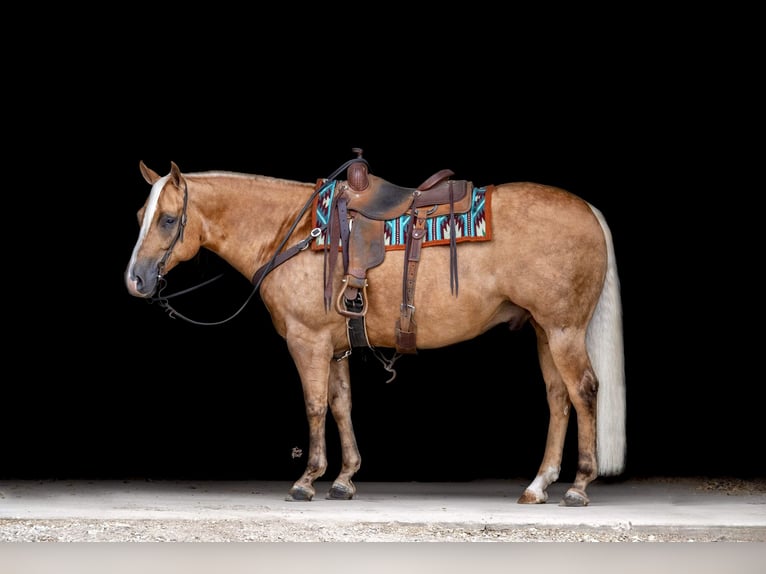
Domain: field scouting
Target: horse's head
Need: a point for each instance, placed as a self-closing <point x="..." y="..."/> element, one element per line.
<point x="166" y="237"/>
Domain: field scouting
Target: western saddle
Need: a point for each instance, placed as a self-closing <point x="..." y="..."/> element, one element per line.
<point x="360" y="207"/>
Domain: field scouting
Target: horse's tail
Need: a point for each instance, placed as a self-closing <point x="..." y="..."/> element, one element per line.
<point x="605" y="347"/>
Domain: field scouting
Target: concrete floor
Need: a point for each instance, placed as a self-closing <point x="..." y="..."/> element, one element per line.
<point x="682" y="503"/>
<point x="691" y="507"/>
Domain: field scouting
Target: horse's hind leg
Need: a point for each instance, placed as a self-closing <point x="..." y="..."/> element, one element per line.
<point x="340" y="405"/>
<point x="567" y="347"/>
<point x="559" y="407"/>
<point x="569" y="380"/>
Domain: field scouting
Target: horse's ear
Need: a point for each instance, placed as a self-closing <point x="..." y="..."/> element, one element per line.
<point x="149" y="175"/>
<point x="175" y="173"/>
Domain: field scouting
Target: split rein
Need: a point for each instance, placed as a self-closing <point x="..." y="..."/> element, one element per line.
<point x="278" y="257"/>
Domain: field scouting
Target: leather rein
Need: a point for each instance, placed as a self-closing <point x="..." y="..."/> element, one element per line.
<point x="277" y="259"/>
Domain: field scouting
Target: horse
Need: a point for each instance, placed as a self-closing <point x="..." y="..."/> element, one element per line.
<point x="550" y="262"/>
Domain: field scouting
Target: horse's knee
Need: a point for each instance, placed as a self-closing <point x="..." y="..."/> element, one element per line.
<point x="316" y="409"/>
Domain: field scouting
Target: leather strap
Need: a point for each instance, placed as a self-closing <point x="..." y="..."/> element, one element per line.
<point x="337" y="232"/>
<point x="407" y="328"/>
<point x="453" y="286"/>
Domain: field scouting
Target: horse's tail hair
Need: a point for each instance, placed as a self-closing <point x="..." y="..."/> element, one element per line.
<point x="604" y="341"/>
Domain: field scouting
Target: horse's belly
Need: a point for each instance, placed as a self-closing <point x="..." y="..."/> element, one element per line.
<point x="442" y="319"/>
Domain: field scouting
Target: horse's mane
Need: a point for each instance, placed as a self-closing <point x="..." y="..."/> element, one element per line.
<point x="250" y="176"/>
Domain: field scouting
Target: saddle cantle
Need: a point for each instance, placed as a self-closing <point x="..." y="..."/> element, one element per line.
<point x="359" y="210"/>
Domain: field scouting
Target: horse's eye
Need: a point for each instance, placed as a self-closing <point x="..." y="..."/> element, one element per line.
<point x="168" y="221"/>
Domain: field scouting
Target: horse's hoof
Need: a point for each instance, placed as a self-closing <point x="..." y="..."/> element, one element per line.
<point x="300" y="494"/>
<point x="575" y="497"/>
<point x="340" y="491"/>
<point x="530" y="497"/>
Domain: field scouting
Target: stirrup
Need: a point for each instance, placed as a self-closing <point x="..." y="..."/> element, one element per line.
<point x="356" y="307"/>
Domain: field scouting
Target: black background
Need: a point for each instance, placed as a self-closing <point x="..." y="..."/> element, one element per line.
<point x="101" y="385"/>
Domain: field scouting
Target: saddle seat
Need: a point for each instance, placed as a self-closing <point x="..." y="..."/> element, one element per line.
<point x="381" y="200"/>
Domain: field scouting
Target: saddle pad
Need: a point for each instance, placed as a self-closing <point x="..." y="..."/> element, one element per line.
<point x="473" y="225"/>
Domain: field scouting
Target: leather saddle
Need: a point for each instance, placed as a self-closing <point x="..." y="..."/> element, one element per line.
<point x="361" y="206"/>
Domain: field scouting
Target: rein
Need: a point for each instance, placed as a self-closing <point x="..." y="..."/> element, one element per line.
<point x="277" y="259"/>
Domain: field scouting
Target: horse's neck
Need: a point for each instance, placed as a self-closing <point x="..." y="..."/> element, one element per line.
<point x="248" y="217"/>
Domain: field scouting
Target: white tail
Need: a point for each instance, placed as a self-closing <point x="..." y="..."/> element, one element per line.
<point x="605" y="347"/>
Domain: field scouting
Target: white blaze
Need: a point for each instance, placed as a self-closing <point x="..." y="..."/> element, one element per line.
<point x="151" y="209"/>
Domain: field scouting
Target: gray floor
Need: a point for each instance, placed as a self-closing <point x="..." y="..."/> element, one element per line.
<point x="138" y="511"/>
<point x="687" y="503"/>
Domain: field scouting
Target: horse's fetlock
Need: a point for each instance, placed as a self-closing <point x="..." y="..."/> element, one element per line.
<point x="586" y="464"/>
<point x="316" y="469"/>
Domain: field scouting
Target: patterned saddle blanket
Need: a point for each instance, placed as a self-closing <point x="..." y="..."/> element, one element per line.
<point x="474" y="224"/>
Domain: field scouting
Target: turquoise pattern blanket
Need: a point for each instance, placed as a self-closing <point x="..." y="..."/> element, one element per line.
<point x="473" y="225"/>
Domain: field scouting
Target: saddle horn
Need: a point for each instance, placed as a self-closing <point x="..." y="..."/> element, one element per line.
<point x="356" y="173"/>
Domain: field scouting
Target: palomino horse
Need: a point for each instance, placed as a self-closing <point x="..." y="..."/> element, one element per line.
<point x="550" y="262"/>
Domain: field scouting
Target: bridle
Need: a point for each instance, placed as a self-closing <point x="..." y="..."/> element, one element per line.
<point x="278" y="258"/>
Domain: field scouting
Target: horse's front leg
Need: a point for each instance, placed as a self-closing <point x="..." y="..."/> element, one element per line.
<point x="312" y="359"/>
<point x="340" y="405"/>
